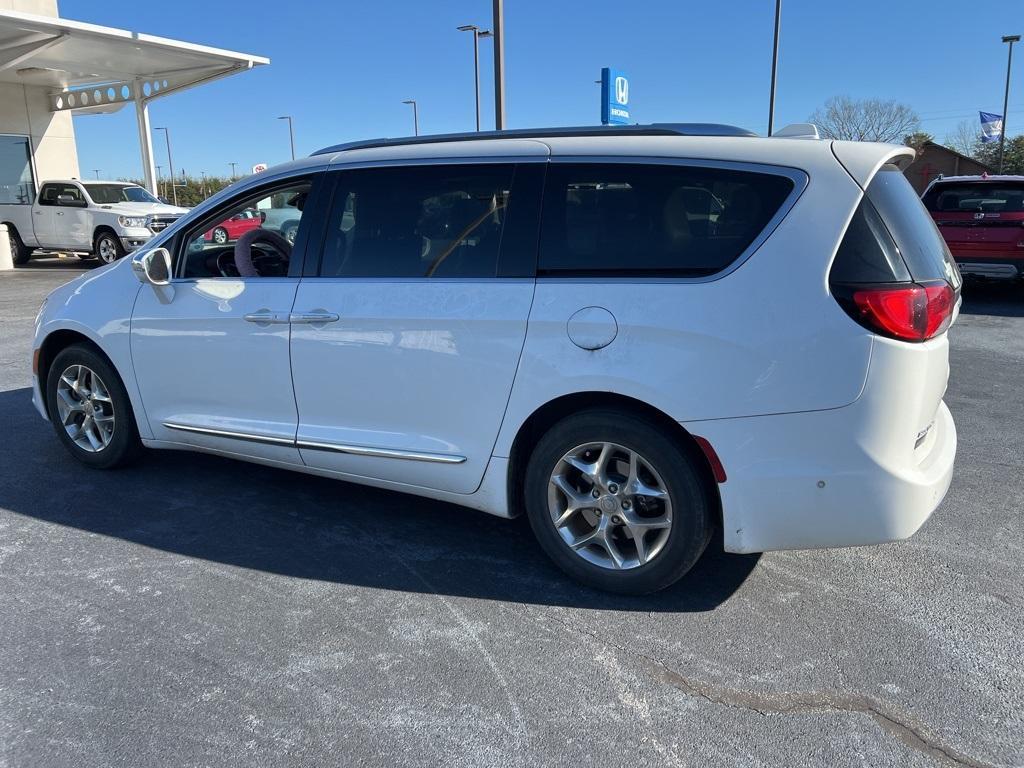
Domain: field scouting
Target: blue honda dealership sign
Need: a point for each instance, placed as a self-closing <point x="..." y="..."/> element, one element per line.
<point x="614" y="97"/>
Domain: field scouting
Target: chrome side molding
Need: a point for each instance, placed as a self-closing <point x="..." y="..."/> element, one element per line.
<point x="386" y="453"/>
<point x="230" y="433"/>
<point x="355" y="450"/>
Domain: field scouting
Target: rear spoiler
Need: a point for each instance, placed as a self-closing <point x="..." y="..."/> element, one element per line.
<point x="862" y="159"/>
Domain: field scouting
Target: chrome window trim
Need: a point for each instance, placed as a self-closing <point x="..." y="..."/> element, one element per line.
<point x="355" y="450"/>
<point x="799" y="178"/>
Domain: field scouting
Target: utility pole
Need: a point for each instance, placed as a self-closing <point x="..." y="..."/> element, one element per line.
<point x="291" y="132"/>
<point x="415" y="116"/>
<point x="233" y="174"/>
<point x="477" y="34"/>
<point x="1011" y="39"/>
<point x="775" y="66"/>
<point x="498" y="25"/>
<point x="170" y="163"/>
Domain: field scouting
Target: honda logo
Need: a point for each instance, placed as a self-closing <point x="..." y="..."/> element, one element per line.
<point x="621" y="90"/>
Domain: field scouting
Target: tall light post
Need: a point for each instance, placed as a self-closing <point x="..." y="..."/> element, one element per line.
<point x="477" y="34"/>
<point x="775" y="66"/>
<point x="415" y="116"/>
<point x="498" y="25"/>
<point x="159" y="181"/>
<point x="203" y="173"/>
<point x="97" y="172"/>
<point x="1011" y="39"/>
<point x="291" y="132"/>
<point x="170" y="163"/>
<point x="233" y="174"/>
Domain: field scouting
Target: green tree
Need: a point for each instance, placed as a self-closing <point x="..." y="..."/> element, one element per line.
<point x="918" y="139"/>
<point x="191" y="190"/>
<point x="1013" y="155"/>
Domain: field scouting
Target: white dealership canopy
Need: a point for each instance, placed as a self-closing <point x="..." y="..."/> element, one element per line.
<point x="94" y="69"/>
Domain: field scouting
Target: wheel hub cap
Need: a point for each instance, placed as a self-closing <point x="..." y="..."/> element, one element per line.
<point x="85" y="408"/>
<point x="610" y="506"/>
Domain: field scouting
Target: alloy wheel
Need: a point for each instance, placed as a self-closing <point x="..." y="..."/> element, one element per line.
<point x="610" y="506"/>
<point x="107" y="250"/>
<point x="85" y="408"/>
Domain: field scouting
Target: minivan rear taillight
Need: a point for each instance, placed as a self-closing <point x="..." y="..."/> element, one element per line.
<point x="904" y="311"/>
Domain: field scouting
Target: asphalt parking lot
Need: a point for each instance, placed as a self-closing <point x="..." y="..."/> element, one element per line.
<point x="195" y="611"/>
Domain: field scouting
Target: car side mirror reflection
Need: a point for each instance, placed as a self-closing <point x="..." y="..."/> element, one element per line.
<point x="153" y="267"/>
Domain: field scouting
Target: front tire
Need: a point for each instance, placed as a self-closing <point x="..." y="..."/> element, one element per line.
<point x="107" y="247"/>
<point x="89" y="409"/>
<point x="616" y="503"/>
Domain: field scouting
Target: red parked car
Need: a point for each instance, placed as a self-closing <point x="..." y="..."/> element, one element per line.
<point x="235" y="227"/>
<point x="982" y="221"/>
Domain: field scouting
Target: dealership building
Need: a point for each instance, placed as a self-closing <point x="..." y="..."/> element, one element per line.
<point x="52" y="68"/>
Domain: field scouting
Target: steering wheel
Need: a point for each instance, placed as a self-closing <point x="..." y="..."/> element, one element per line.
<point x="247" y="258"/>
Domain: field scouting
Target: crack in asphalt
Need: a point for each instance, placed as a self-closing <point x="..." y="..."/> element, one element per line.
<point x="896" y="723"/>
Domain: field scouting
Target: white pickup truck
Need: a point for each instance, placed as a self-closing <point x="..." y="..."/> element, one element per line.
<point x="105" y="219"/>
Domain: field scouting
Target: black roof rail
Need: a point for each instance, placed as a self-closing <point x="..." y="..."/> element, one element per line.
<point x="654" y="129"/>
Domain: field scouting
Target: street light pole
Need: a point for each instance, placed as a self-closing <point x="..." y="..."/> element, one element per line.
<point x="97" y="172"/>
<point x="291" y="132"/>
<point x="1011" y="39"/>
<point x="415" y="116"/>
<point x="233" y="174"/>
<point x="170" y="163"/>
<point x="477" y="34"/>
<point x="159" y="180"/>
<point x="775" y="66"/>
<point x="498" y="25"/>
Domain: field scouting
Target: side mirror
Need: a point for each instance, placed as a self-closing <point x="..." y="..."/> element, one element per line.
<point x="153" y="267"/>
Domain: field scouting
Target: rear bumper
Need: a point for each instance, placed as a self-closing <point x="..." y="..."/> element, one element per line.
<point x="994" y="266"/>
<point x="809" y="480"/>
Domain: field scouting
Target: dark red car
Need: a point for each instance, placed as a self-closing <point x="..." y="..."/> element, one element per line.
<point x="982" y="221"/>
<point x="235" y="227"/>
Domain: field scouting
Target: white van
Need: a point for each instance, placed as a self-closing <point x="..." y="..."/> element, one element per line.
<point x="635" y="335"/>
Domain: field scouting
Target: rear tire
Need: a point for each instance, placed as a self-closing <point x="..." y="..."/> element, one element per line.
<point x="89" y="409"/>
<point x="649" y="485"/>
<point x="20" y="253"/>
<point x="107" y="247"/>
<point x="220" y="236"/>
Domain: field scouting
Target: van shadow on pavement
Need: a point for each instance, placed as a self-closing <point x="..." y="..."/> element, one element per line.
<point x="297" y="525"/>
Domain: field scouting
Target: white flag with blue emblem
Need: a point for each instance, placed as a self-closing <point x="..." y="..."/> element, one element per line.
<point x="991" y="127"/>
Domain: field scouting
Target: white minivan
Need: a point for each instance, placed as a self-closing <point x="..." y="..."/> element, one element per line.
<point x="636" y="335"/>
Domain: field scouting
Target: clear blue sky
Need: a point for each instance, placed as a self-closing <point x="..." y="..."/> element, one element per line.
<point x="343" y="68"/>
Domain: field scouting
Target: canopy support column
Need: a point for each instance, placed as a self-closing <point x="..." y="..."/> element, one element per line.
<point x="145" y="140"/>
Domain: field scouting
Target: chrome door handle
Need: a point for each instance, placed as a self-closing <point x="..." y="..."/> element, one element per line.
<point x="60" y="213"/>
<point x="314" y="317"/>
<point x="266" y="317"/>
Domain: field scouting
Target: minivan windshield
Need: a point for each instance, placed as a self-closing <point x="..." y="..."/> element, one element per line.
<point x="108" y="194"/>
<point x="976" y="197"/>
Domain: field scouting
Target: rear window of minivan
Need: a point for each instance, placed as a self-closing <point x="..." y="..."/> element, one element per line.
<point x="643" y="219"/>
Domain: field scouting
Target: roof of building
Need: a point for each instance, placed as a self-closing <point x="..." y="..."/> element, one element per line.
<point x="96" y="64"/>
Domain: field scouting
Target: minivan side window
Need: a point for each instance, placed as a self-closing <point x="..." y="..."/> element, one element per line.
<point x="438" y="221"/>
<point x="621" y="219"/>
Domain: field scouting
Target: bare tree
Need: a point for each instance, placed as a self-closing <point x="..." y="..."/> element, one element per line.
<point x="865" y="119"/>
<point x="964" y="138"/>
